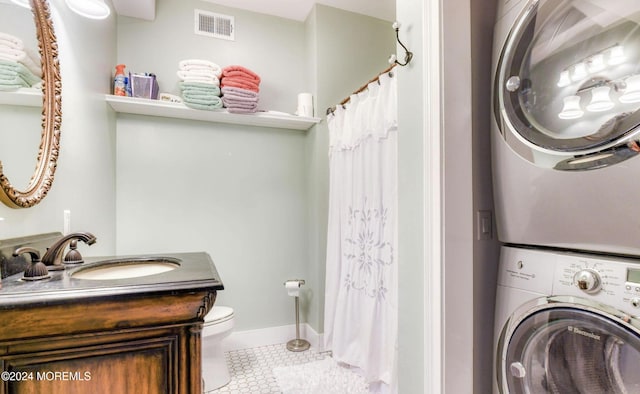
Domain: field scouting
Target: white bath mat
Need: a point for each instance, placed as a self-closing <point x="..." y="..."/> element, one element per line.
<point x="319" y="377"/>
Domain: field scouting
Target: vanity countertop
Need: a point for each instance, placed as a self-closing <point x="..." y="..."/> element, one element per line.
<point x="196" y="272"/>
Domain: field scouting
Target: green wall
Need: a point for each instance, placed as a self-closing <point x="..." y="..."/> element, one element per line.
<point x="254" y="198"/>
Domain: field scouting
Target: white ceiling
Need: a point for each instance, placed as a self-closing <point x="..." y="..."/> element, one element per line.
<point x="290" y="9"/>
<point x="143" y="9"/>
<point x="299" y="9"/>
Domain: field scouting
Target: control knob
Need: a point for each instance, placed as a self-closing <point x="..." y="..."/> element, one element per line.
<point x="587" y="280"/>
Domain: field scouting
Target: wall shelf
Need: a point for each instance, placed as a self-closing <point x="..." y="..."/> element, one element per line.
<point x="140" y="106"/>
<point x="27" y="97"/>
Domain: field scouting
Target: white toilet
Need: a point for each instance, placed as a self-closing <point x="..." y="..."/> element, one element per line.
<point x="218" y="324"/>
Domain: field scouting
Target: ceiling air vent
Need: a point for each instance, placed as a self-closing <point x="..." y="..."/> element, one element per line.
<point x="215" y="25"/>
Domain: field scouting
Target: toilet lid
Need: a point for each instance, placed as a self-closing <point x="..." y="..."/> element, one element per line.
<point x="219" y="313"/>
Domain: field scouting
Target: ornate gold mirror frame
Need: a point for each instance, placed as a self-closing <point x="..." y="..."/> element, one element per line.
<point x="42" y="178"/>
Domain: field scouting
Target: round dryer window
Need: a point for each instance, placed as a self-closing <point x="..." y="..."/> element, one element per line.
<point x="570" y="349"/>
<point x="568" y="80"/>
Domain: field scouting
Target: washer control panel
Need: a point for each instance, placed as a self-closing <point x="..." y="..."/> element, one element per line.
<point x="610" y="281"/>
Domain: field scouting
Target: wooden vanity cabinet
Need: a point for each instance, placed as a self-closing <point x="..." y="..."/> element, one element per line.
<point x="142" y="344"/>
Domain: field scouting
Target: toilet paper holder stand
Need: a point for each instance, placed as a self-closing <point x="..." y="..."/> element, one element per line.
<point x="297" y="344"/>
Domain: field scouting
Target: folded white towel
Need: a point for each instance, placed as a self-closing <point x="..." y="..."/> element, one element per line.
<point x="202" y="69"/>
<point x="9" y="51"/>
<point x="197" y="73"/>
<point x="201" y="80"/>
<point x="194" y="77"/>
<point x="10" y="44"/>
<point x="11" y="41"/>
<point x="197" y="64"/>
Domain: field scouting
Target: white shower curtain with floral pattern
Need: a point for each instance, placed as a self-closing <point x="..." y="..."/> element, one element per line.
<point x="361" y="300"/>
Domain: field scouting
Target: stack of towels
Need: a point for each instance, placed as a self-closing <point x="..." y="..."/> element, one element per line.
<point x="200" y="84"/>
<point x="240" y="89"/>
<point x="19" y="66"/>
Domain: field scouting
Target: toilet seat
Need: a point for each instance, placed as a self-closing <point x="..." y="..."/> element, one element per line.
<point x="217" y="315"/>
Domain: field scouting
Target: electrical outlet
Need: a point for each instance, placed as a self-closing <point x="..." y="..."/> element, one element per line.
<point x="66" y="226"/>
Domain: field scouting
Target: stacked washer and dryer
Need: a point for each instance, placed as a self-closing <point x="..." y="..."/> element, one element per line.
<point x="566" y="173"/>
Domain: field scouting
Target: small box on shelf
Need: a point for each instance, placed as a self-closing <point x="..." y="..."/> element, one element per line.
<point x="144" y="86"/>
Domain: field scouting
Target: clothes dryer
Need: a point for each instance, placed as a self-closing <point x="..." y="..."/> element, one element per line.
<point x="566" y="323"/>
<point x="565" y="122"/>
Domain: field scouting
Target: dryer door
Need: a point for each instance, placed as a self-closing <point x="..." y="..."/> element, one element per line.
<point x="567" y="86"/>
<point x="566" y="345"/>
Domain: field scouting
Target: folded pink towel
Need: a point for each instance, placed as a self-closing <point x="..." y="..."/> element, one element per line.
<point x="240" y="83"/>
<point x="242" y="110"/>
<point x="228" y="104"/>
<point x="239" y="71"/>
<point x="230" y="91"/>
<point x="238" y="100"/>
<point x="241" y="75"/>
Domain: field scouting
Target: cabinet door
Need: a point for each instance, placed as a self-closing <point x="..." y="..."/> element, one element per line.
<point x="147" y="366"/>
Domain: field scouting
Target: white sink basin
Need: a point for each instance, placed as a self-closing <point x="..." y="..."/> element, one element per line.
<point x="127" y="268"/>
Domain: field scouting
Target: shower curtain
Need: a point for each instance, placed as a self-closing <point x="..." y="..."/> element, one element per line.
<point x="361" y="292"/>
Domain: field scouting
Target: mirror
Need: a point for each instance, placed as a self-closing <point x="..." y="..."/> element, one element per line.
<point x="12" y="192"/>
<point x="20" y="105"/>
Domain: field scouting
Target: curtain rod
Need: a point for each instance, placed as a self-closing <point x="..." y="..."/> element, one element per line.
<point x="394" y="62"/>
<point x="361" y="89"/>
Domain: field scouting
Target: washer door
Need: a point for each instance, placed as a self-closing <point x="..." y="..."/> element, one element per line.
<point x="567" y="86"/>
<point x="566" y="345"/>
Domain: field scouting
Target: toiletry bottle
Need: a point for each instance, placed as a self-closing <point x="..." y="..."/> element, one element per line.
<point x="119" y="85"/>
<point x="127" y="85"/>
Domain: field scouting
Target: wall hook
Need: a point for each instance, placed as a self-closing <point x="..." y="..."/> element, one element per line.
<point x="408" y="54"/>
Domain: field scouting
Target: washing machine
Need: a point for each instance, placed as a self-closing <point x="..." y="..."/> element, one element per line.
<point x="565" y="124"/>
<point x="566" y="323"/>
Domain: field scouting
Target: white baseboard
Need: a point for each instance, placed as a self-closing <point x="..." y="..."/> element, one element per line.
<point x="271" y="336"/>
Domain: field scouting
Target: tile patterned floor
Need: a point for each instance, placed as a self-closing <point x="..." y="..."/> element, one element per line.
<point x="251" y="369"/>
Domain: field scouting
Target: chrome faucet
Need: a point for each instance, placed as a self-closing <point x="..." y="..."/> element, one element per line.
<point x="53" y="256"/>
